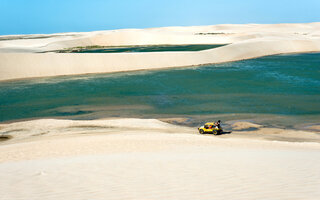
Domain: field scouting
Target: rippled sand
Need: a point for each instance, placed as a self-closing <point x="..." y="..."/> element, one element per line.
<point x="149" y="159"/>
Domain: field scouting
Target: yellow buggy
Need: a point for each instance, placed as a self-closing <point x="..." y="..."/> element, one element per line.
<point x="210" y="128"/>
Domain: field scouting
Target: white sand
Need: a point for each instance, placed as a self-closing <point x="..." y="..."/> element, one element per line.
<point x="100" y="159"/>
<point x="18" y="59"/>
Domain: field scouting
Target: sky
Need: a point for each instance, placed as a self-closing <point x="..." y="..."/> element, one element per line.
<point x="54" y="16"/>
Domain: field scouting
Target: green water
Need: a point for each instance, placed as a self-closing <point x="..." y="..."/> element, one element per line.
<point x="151" y="48"/>
<point x="283" y="90"/>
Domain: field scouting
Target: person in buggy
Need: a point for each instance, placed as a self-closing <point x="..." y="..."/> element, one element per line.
<point x="218" y="124"/>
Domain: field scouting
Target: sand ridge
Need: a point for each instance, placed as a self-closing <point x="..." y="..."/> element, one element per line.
<point x="19" y="60"/>
<point x="59" y="137"/>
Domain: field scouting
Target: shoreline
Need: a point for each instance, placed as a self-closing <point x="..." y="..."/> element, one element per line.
<point x="276" y="121"/>
<point x="46" y="128"/>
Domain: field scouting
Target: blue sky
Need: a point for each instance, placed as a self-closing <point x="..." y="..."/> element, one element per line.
<point x="52" y="16"/>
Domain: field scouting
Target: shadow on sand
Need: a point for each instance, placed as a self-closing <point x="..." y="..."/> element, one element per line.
<point x="223" y="133"/>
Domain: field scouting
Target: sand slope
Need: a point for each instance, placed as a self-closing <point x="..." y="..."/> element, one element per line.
<point x="77" y="160"/>
<point x="18" y="59"/>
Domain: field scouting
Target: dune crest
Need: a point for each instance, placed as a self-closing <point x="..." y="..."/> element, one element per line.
<point x="19" y="58"/>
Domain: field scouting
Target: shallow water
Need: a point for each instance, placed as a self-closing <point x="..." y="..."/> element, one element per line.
<point x="282" y="90"/>
<point x="150" y="48"/>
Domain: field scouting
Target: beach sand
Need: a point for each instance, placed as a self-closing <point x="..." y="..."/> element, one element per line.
<point x="19" y="58"/>
<point x="103" y="159"/>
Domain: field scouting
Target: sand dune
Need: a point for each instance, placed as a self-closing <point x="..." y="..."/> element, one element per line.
<point x="19" y="60"/>
<point x="148" y="158"/>
<point x="95" y="160"/>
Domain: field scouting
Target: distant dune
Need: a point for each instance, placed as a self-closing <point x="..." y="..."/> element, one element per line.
<point x="19" y="57"/>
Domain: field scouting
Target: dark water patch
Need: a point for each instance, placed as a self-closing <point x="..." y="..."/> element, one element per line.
<point x="149" y="48"/>
<point x="79" y="112"/>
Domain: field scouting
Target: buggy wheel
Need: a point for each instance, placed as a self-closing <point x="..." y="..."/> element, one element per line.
<point x="215" y="132"/>
<point x="201" y="131"/>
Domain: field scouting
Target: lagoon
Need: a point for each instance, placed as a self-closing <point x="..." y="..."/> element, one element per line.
<point x="283" y="90"/>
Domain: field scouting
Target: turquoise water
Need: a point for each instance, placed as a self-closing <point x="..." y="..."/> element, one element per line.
<point x="282" y="89"/>
<point x="151" y="48"/>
